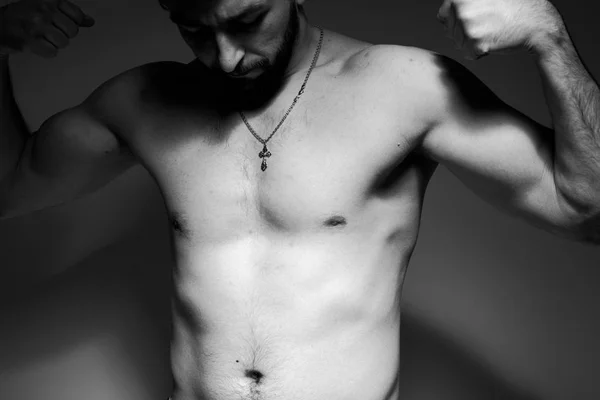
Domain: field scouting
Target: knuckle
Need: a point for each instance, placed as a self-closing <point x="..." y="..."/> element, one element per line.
<point x="72" y="11"/>
<point x="37" y="19"/>
<point x="67" y="26"/>
<point x="56" y="37"/>
<point x="71" y="28"/>
<point x="465" y="12"/>
<point x="480" y="48"/>
<point x="72" y="32"/>
<point x="37" y="38"/>
<point x="31" y="31"/>
<point x="61" y="44"/>
<point x="471" y="34"/>
<point x="473" y="31"/>
<point x="45" y="10"/>
<point x="37" y="22"/>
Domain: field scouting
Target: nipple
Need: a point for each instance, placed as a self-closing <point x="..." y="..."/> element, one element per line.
<point x="336" y="220"/>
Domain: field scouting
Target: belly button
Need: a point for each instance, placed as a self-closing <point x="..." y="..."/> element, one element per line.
<point x="254" y="374"/>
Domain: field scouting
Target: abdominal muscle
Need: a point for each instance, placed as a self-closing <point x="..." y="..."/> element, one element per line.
<point x="288" y="317"/>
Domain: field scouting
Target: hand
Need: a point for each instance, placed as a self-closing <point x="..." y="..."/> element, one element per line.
<point x="480" y="27"/>
<point x="40" y="26"/>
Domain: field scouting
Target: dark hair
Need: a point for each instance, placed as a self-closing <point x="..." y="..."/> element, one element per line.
<point x="166" y="7"/>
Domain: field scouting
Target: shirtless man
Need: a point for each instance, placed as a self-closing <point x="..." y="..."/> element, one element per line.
<point x="290" y="265"/>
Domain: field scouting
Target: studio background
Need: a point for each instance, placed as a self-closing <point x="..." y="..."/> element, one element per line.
<point x="493" y="308"/>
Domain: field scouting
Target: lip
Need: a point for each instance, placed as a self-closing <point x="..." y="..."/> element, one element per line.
<point x="250" y="74"/>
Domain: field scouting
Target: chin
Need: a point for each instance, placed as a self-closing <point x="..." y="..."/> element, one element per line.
<point x="254" y="82"/>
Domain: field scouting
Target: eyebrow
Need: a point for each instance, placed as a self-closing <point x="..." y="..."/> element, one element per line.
<point x="181" y="19"/>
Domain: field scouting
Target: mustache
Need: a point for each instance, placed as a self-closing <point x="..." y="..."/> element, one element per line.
<point x="246" y="69"/>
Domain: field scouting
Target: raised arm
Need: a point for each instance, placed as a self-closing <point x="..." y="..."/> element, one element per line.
<point x="549" y="175"/>
<point x="74" y="152"/>
<point x="502" y="155"/>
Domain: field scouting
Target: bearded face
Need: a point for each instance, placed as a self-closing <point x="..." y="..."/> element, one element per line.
<point x="245" y="45"/>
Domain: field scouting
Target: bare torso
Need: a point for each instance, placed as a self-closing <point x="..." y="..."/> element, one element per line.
<point x="288" y="281"/>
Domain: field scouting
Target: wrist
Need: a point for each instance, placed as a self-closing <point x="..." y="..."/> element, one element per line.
<point x="546" y="41"/>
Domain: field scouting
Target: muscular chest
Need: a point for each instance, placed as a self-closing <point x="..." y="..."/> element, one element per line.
<point x="328" y="160"/>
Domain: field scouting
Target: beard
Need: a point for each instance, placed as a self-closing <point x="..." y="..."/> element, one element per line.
<point x="253" y="93"/>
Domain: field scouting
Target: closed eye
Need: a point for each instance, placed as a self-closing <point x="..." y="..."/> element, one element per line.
<point x="247" y="24"/>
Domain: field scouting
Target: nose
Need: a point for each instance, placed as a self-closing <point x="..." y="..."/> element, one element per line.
<point x="229" y="52"/>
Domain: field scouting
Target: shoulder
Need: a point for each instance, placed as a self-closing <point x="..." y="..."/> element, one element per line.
<point x="404" y="64"/>
<point x="435" y="83"/>
<point x="383" y="64"/>
<point x="117" y="102"/>
<point x="393" y="62"/>
<point x="407" y="78"/>
<point x="132" y="82"/>
<point x="402" y="72"/>
<point x="396" y="61"/>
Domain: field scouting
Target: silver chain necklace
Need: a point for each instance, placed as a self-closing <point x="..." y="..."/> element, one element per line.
<point x="265" y="153"/>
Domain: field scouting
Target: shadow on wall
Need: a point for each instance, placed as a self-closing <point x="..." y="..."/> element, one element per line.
<point x="100" y="330"/>
<point x="434" y="366"/>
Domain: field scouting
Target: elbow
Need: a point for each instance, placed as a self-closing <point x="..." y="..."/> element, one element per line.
<point x="586" y="228"/>
<point x="581" y="206"/>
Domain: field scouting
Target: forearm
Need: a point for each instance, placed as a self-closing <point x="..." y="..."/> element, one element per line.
<point x="13" y="130"/>
<point x="574" y="100"/>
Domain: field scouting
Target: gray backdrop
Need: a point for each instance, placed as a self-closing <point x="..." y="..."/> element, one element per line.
<point x="494" y="309"/>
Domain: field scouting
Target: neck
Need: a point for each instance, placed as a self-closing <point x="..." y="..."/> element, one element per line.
<point x="304" y="47"/>
<point x="302" y="53"/>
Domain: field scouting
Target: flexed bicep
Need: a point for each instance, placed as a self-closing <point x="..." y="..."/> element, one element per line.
<point x="72" y="154"/>
<point x="502" y="155"/>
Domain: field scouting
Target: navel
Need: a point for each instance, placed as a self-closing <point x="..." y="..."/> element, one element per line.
<point x="254" y="374"/>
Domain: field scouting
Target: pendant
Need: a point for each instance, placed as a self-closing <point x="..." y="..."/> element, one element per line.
<point x="264" y="154"/>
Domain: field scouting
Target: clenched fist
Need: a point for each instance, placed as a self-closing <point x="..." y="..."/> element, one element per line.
<point x="40" y="26"/>
<point x="480" y="27"/>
